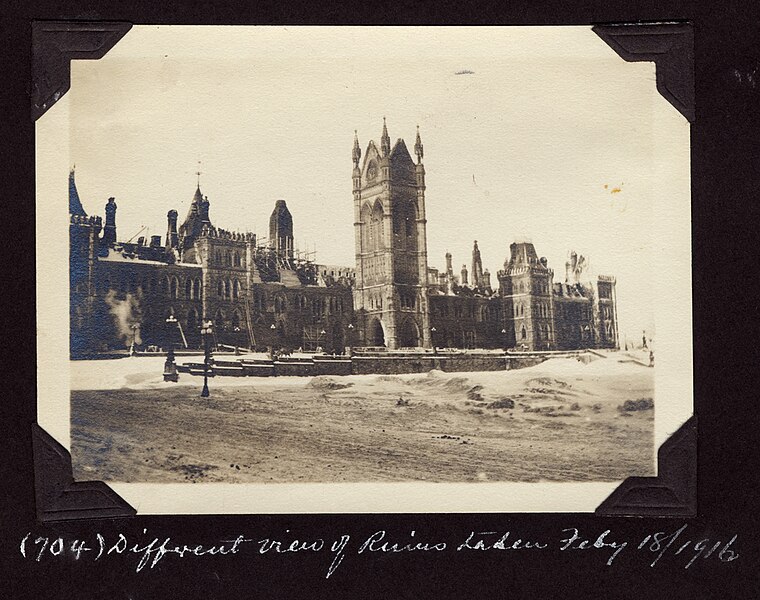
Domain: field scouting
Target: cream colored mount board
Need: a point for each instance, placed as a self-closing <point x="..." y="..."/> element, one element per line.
<point x="540" y="134"/>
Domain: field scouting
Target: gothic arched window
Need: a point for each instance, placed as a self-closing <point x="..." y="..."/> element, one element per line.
<point x="376" y="227"/>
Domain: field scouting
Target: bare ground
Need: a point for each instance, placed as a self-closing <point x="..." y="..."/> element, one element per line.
<point x="566" y="423"/>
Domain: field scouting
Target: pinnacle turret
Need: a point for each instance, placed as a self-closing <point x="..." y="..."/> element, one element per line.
<point x="356" y="154"/>
<point x="418" y="148"/>
<point x="385" y="141"/>
<point x="477" y="266"/>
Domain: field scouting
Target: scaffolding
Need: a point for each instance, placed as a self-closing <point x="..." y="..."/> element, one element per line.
<point x="270" y="263"/>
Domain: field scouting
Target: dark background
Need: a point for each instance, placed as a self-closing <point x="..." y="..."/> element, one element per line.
<point x="726" y="194"/>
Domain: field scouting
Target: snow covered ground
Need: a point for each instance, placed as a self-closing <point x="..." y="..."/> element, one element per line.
<point x="562" y="420"/>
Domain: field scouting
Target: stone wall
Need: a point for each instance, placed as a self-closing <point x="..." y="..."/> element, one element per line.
<point x="395" y="365"/>
<point x="373" y="365"/>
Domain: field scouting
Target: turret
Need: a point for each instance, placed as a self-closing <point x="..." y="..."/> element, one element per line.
<point x="449" y="268"/>
<point x="109" y="230"/>
<point x="385" y="141"/>
<point x="281" y="229"/>
<point x="172" y="239"/>
<point x="464" y="274"/>
<point x="356" y="153"/>
<point x="196" y="220"/>
<point x="203" y="210"/>
<point x="418" y="149"/>
<point x="477" y="266"/>
<point x="487" y="279"/>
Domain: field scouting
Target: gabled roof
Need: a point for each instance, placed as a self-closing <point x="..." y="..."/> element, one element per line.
<point x="401" y="152"/>
<point x="402" y="165"/>
<point x="373" y="152"/>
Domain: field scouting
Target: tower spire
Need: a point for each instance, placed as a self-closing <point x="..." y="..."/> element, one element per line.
<point x="199" y="173"/>
<point x="477" y="266"/>
<point x="356" y="154"/>
<point x="75" y="204"/>
<point x="385" y="141"/>
<point x="418" y="150"/>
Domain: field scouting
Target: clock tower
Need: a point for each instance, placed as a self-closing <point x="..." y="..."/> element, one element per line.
<point x="390" y="294"/>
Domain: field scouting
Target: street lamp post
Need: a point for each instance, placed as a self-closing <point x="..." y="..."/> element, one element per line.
<point x="273" y="328"/>
<point x="207" y="333"/>
<point x="170" y="366"/>
<point x="432" y="339"/>
<point x="504" y="335"/>
<point x="132" y="350"/>
<point x="350" y="339"/>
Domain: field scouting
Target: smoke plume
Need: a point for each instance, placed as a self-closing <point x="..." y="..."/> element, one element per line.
<point x="126" y="314"/>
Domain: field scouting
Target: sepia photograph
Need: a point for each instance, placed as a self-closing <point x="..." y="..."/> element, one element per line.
<point x="315" y="261"/>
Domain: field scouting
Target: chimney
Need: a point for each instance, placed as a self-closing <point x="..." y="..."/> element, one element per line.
<point x="172" y="240"/>
<point x="487" y="279"/>
<point x="109" y="230"/>
<point x="155" y="241"/>
<point x="141" y="241"/>
<point x="464" y="274"/>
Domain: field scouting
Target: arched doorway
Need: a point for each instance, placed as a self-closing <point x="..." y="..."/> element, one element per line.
<point x="409" y="335"/>
<point x="376" y="334"/>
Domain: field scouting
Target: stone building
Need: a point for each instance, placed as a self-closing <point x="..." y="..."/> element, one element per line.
<point x="390" y="294"/>
<point x="257" y="293"/>
<point x="400" y="301"/>
<point x="264" y="293"/>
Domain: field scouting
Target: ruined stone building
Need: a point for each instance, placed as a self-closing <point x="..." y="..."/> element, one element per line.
<point x="400" y="301"/>
<point x="264" y="293"/>
<point x="257" y="293"/>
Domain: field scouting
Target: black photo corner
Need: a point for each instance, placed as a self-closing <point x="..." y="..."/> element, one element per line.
<point x="691" y="532"/>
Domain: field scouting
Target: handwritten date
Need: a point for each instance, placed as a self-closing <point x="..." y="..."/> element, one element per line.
<point x="677" y="545"/>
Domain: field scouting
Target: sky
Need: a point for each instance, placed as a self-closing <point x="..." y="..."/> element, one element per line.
<point x="529" y="133"/>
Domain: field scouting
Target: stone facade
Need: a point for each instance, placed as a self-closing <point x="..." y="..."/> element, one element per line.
<point x="390" y="295"/>
<point x="265" y="294"/>
<point x="257" y="295"/>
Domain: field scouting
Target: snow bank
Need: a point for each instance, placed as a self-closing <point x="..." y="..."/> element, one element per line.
<point x="146" y="372"/>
